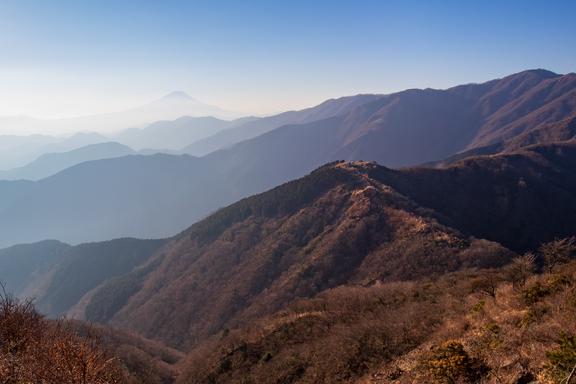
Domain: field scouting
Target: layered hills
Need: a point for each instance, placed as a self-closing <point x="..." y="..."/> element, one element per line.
<point x="49" y="164"/>
<point x="156" y="196"/>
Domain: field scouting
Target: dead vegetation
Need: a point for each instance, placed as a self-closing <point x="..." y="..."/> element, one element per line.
<point x="505" y="325"/>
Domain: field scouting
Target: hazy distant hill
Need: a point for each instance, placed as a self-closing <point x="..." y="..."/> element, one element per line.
<point x="173" y="135"/>
<point x="17" y="151"/>
<point x="151" y="196"/>
<point x="51" y="163"/>
<point x="170" y="107"/>
<point x="156" y="196"/>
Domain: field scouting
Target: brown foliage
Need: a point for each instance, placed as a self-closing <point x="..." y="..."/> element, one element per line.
<point x="557" y="252"/>
<point x="442" y="330"/>
<point x="34" y="350"/>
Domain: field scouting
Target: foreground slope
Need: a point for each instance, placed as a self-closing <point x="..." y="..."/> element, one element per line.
<point x="467" y="327"/>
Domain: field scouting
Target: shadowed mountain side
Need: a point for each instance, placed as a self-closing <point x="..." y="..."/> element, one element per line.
<point x="564" y="130"/>
<point x="86" y="266"/>
<point x="52" y="163"/>
<point x="57" y="275"/>
<point x="520" y="199"/>
<point x="23" y="265"/>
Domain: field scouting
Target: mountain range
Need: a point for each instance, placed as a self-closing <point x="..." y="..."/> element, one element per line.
<point x="361" y="221"/>
<point x="404" y="233"/>
<point x="156" y="196"/>
<point x="49" y="164"/>
<point x="169" y="107"/>
<point x="345" y="223"/>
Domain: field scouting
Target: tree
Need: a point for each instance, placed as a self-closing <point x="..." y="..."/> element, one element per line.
<point x="487" y="284"/>
<point x="521" y="269"/>
<point x="557" y="252"/>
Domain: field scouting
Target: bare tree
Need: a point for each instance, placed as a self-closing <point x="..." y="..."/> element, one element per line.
<point x="557" y="252"/>
<point x="521" y="269"/>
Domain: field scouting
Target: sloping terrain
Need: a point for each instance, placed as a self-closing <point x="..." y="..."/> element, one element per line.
<point x="57" y="275"/>
<point x="344" y="223"/>
<point x="23" y="265"/>
<point x="467" y="327"/>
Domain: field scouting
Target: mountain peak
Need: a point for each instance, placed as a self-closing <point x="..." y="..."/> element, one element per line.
<point x="177" y="95"/>
<point x="538" y="72"/>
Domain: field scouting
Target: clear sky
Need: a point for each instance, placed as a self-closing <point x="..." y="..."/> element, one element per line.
<point x="74" y="57"/>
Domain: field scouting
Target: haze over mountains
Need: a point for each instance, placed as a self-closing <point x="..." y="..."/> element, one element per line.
<point x="135" y="196"/>
<point x="241" y="246"/>
<point x="169" y="107"/>
<point x="51" y="163"/>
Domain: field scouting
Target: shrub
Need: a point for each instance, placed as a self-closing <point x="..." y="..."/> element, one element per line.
<point x="450" y="363"/>
<point x="562" y="361"/>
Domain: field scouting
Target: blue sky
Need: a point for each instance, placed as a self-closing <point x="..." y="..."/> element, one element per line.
<point x="65" y="58"/>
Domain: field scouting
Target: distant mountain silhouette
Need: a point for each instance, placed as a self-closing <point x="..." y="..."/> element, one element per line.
<point x="172" y="135"/>
<point x="17" y="151"/>
<point x="345" y="223"/>
<point x="142" y="196"/>
<point x="169" y="107"/>
<point x="51" y="163"/>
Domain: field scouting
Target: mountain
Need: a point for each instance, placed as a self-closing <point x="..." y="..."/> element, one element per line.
<point x="22" y="264"/>
<point x="17" y="151"/>
<point x="57" y="275"/>
<point x="355" y="255"/>
<point x="104" y="199"/>
<point x="169" y="107"/>
<point x="51" y="163"/>
<point x="157" y="196"/>
<point x="251" y="129"/>
<point x="150" y="198"/>
<point x="345" y="223"/>
<point x="172" y="135"/>
<point x="564" y="130"/>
